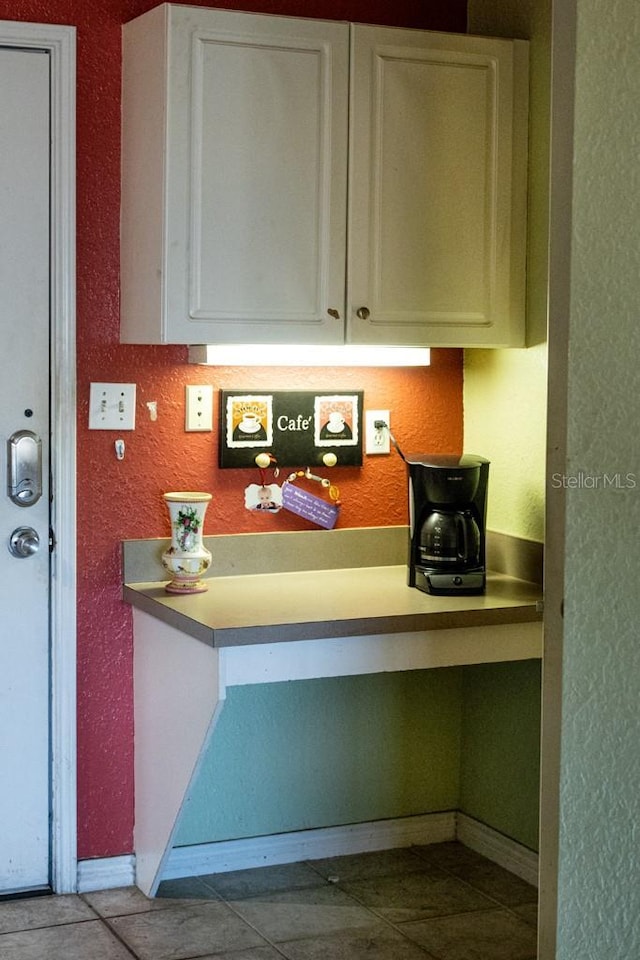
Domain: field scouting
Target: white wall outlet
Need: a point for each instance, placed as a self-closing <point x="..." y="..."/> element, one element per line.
<point x="376" y="436"/>
<point x="198" y="408"/>
<point x="112" y="406"/>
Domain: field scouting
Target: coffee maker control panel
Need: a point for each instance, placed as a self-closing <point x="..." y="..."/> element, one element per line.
<point x="449" y="584"/>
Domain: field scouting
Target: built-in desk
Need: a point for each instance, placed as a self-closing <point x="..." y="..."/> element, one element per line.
<point x="289" y="625"/>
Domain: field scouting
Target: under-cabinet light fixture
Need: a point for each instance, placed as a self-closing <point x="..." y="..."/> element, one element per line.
<point x="289" y="355"/>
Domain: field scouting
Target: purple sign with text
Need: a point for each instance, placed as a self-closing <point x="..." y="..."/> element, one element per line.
<point x="309" y="506"/>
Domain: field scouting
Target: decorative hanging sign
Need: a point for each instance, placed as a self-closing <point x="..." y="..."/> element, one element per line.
<point x="307" y="505"/>
<point x="294" y="427"/>
<point x="297" y="500"/>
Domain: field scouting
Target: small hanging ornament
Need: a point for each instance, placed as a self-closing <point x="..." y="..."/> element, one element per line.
<point x="265" y="497"/>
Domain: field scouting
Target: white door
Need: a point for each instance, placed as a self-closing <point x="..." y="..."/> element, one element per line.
<point x="24" y="410"/>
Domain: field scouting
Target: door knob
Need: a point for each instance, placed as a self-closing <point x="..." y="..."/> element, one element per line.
<point x="363" y="313"/>
<point x="24" y="542"/>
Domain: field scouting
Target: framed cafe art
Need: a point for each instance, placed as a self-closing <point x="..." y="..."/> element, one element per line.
<point x="295" y="427"/>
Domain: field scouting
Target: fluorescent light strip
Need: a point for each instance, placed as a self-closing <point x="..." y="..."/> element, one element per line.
<point x="313" y="355"/>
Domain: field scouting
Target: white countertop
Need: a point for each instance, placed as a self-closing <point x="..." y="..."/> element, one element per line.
<point x="311" y="605"/>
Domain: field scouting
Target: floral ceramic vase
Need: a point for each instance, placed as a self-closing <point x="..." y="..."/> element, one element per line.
<point x="187" y="558"/>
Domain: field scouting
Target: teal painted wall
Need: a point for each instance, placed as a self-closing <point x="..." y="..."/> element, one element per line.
<point x="318" y="753"/>
<point x="500" y="779"/>
<point x="315" y="753"/>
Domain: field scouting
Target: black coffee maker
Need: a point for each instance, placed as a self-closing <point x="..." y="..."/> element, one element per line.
<point x="447" y="512"/>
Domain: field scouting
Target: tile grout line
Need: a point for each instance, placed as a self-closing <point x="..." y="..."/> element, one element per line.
<point x="196" y="956"/>
<point x="468" y="883"/>
<point x="73" y="923"/>
<point x="255" y="930"/>
<point x="449" y="873"/>
<point x="116" y="935"/>
<point x="375" y="917"/>
<point x="398" y="926"/>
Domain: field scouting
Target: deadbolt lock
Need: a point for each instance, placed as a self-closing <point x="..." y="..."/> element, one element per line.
<point x="24" y="468"/>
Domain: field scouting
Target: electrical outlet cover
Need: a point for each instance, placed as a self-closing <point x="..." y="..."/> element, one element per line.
<point x="376" y="438"/>
<point x="198" y="408"/>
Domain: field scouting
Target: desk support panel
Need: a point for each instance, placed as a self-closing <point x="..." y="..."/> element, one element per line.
<point x="177" y="701"/>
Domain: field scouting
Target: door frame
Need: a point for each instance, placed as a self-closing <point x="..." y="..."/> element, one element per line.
<point x="60" y="43"/>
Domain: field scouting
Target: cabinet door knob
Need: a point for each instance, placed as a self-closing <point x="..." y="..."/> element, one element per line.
<point x="363" y="313"/>
<point x="334" y="313"/>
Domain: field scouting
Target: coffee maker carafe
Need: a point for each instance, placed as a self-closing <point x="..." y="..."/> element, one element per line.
<point x="447" y="504"/>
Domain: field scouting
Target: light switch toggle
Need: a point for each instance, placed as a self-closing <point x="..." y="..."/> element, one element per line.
<point x="112" y="406"/>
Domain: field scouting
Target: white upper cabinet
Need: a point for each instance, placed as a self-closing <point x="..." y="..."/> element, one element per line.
<point x="234" y="178"/>
<point x="236" y="226"/>
<point x="437" y="189"/>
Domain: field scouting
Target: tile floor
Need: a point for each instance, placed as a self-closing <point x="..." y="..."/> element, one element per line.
<point x="438" y="902"/>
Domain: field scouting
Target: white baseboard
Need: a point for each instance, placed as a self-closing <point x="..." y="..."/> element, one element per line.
<point x="495" y="846"/>
<point x="200" y="859"/>
<point x="229" y="855"/>
<point x="104" y="873"/>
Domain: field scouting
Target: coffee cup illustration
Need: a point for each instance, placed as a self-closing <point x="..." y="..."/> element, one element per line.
<point x="250" y="422"/>
<point x="335" y="426"/>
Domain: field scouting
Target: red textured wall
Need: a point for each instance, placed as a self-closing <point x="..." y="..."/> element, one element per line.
<point x="119" y="500"/>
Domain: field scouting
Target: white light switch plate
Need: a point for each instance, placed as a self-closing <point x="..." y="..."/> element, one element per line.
<point x="198" y="408"/>
<point x="112" y="406"/>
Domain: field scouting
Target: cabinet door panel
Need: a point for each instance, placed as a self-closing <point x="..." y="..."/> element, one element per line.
<point x="433" y="248"/>
<point x="260" y="207"/>
<point x="250" y="118"/>
<point x="431" y="225"/>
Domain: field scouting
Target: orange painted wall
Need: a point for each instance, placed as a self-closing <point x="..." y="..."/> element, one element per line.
<point x="120" y="500"/>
